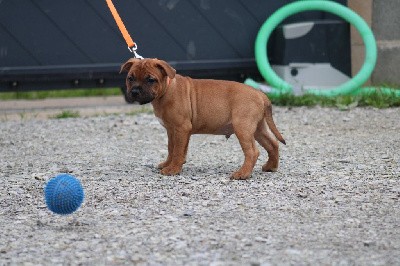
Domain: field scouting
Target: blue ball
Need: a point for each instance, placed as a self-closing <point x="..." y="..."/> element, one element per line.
<point x="63" y="194"/>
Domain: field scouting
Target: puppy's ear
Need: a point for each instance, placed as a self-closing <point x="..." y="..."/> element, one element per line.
<point x="167" y="69"/>
<point x="128" y="64"/>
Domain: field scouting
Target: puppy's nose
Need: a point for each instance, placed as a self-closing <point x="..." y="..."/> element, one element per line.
<point x="135" y="91"/>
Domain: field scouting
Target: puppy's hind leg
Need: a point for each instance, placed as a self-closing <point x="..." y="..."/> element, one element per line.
<point x="270" y="144"/>
<point x="245" y="134"/>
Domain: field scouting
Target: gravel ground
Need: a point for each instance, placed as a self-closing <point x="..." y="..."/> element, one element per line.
<point x="334" y="201"/>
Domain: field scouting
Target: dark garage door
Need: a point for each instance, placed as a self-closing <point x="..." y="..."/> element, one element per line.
<point x="47" y="44"/>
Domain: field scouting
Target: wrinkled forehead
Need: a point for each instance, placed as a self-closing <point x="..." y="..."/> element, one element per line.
<point x="145" y="68"/>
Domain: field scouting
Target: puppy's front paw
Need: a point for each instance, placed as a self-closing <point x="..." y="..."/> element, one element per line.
<point x="171" y="170"/>
<point x="240" y="175"/>
<point x="162" y="165"/>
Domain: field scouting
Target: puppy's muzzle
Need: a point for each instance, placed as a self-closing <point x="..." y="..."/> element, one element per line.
<point x="136" y="91"/>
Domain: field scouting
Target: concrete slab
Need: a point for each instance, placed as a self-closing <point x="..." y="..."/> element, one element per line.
<point x="386" y="19"/>
<point x="387" y="69"/>
<point x="84" y="107"/>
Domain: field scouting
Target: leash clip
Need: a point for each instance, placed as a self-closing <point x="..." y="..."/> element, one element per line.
<point x="133" y="50"/>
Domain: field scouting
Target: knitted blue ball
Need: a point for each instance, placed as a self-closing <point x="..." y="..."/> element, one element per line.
<point x="63" y="194"/>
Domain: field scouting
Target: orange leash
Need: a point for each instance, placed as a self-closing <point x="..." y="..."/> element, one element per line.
<point x="132" y="46"/>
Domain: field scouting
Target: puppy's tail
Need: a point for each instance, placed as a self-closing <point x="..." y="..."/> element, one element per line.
<point x="271" y="123"/>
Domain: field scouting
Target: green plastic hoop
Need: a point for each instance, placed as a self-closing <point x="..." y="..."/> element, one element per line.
<point x="310" y="5"/>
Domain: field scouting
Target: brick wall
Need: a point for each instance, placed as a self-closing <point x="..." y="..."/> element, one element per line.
<point x="383" y="17"/>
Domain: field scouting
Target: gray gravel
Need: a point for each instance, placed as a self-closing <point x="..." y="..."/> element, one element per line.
<point x="335" y="199"/>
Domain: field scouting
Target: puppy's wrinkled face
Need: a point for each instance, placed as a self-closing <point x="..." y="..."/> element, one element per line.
<point x="146" y="79"/>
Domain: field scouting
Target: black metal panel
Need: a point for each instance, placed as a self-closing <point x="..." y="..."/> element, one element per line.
<point x="82" y="33"/>
<point x="229" y="21"/>
<point x="39" y="36"/>
<point x="47" y="44"/>
<point x="12" y="52"/>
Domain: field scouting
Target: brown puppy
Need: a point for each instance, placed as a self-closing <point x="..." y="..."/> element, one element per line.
<point x="186" y="106"/>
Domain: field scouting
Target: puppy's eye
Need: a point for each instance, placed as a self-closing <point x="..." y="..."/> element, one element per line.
<point x="151" y="80"/>
<point x="131" y="78"/>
